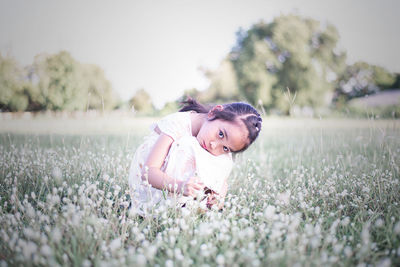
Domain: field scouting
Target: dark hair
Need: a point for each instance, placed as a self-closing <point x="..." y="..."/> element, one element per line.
<point x="246" y="112"/>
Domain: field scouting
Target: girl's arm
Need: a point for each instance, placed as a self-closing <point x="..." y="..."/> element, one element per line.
<point x="160" y="179"/>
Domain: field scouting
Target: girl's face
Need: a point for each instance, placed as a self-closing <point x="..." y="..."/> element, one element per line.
<point x="221" y="137"/>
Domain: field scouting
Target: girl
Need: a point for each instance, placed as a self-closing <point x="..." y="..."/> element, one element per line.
<point x="190" y="152"/>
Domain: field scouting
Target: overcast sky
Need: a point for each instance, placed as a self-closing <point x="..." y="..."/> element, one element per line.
<point x="160" y="45"/>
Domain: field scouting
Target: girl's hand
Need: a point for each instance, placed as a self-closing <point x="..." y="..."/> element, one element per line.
<point x="211" y="200"/>
<point x="192" y="187"/>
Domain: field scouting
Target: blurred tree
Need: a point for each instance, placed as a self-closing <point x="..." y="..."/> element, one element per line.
<point x="223" y="84"/>
<point x="292" y="53"/>
<point x="13" y="86"/>
<point x="100" y="93"/>
<point x="174" y="106"/>
<point x="54" y="82"/>
<point x="396" y="84"/>
<point x="193" y="92"/>
<point x="169" y="107"/>
<point x="60" y="83"/>
<point x="141" y="102"/>
<point x="361" y="79"/>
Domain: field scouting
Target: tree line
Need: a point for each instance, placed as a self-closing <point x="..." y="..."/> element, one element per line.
<point x="289" y="61"/>
<point x="293" y="60"/>
<point x="54" y="82"/>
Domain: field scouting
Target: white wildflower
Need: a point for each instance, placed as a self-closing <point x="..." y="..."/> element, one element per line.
<point x="317" y="210"/>
<point x="269" y="212"/>
<point x="151" y="251"/>
<point x="57" y="174"/>
<point x="86" y="263"/>
<point x="315" y="241"/>
<point x="384" y="263"/>
<point x="46" y="250"/>
<point x="347" y="251"/>
<point x="220" y="259"/>
<point x="205" y="229"/>
<point x="106" y="177"/>
<point x="345" y="221"/>
<point x="28" y="250"/>
<point x="337" y="248"/>
<point x="115" y="244"/>
<point x="30" y="212"/>
<point x="193" y="242"/>
<point x="169" y="263"/>
<point x="284" y="198"/>
<point x="56" y="235"/>
<point x="245" y="211"/>
<point x="365" y="234"/>
<point x="379" y="222"/>
<point x="140" y="260"/>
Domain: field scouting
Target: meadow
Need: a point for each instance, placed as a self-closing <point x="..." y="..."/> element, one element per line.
<point x="309" y="192"/>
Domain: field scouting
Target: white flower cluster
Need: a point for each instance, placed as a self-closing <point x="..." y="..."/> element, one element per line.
<point x="301" y="200"/>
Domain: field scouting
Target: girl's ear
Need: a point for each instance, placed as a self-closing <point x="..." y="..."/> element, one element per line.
<point x="211" y="113"/>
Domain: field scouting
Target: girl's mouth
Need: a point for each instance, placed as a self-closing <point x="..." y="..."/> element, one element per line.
<point x="203" y="144"/>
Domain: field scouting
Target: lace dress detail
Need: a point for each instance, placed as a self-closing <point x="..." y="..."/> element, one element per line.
<point x="185" y="159"/>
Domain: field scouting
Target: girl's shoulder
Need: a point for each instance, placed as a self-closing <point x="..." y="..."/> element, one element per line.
<point x="176" y="125"/>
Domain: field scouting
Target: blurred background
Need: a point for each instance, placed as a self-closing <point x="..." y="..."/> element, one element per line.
<point x="298" y="58"/>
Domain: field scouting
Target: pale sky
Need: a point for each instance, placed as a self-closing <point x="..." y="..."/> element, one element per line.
<point x="160" y="45"/>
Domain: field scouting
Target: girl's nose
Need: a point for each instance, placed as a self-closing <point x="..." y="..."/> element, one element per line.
<point x="213" y="144"/>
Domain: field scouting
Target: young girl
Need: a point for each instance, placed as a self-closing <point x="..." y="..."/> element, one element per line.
<point x="190" y="152"/>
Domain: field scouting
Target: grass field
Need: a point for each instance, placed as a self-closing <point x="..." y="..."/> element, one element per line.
<point x="307" y="193"/>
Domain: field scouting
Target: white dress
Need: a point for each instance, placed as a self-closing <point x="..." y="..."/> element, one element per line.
<point x="185" y="159"/>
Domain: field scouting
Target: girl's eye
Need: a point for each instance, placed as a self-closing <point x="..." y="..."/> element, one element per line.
<point x="226" y="149"/>
<point x="221" y="134"/>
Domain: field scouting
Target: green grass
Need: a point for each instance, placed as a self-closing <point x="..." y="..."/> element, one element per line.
<point x="308" y="192"/>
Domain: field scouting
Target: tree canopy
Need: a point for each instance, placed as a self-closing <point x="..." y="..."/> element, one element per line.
<point x="290" y="53"/>
<point x="361" y="79"/>
<point x="60" y="84"/>
<point x="141" y="102"/>
<point x="291" y="60"/>
<point x="54" y="82"/>
<point x="13" y="86"/>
